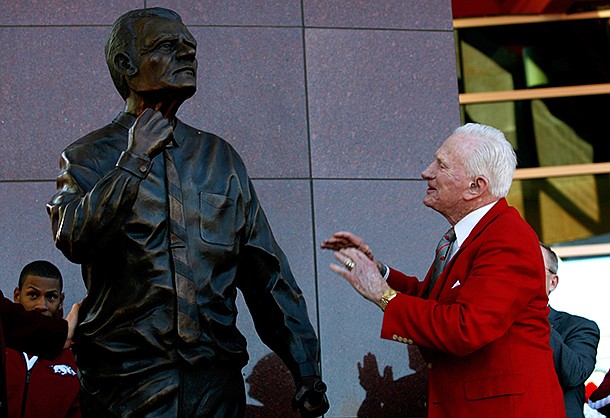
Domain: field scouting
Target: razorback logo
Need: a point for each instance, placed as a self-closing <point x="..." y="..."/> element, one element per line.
<point x="63" y="369"/>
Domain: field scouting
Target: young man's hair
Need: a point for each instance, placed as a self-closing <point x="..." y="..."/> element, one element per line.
<point x="41" y="268"/>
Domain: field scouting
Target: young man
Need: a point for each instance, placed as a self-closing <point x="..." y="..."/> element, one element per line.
<point x="38" y="387"/>
<point x="32" y="332"/>
<point x="480" y="315"/>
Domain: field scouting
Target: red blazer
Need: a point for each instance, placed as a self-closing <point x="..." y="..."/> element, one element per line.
<point x="484" y="328"/>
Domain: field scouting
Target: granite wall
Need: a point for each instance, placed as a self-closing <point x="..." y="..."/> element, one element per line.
<point x="336" y="107"/>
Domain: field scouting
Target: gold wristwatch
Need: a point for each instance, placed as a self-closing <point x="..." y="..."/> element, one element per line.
<point x="387" y="296"/>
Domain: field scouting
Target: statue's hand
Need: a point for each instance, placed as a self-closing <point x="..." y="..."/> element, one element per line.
<point x="310" y="398"/>
<point x="149" y="134"/>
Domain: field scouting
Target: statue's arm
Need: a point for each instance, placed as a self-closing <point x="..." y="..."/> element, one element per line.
<point x="280" y="314"/>
<point x="90" y="205"/>
<point x="273" y="297"/>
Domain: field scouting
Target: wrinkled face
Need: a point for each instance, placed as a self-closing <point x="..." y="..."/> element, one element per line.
<point x="447" y="180"/>
<point x="165" y="57"/>
<point x="41" y="294"/>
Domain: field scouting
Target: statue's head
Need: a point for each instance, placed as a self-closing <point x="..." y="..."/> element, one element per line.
<point x="150" y="51"/>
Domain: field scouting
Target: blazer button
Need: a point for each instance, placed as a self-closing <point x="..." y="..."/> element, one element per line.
<point x="395" y="337"/>
<point x="429" y="365"/>
<point x="409" y="341"/>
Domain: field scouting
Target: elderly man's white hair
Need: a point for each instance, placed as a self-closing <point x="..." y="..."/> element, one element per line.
<point x="489" y="155"/>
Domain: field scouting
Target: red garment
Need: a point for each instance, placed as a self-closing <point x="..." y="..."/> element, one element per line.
<point x="52" y="391"/>
<point x="484" y="329"/>
<point x="29" y="331"/>
<point x="600" y="398"/>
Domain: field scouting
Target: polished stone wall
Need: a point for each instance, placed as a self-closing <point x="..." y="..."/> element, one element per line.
<point x="336" y="108"/>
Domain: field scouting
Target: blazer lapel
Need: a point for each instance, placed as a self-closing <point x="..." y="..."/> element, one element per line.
<point x="498" y="208"/>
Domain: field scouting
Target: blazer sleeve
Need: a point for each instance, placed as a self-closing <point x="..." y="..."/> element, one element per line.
<point x="403" y="283"/>
<point x="31" y="331"/>
<point x="574" y="353"/>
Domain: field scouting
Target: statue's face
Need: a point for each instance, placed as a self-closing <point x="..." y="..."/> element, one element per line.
<point x="165" y="57"/>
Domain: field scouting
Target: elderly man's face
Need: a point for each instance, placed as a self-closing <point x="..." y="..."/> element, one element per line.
<point x="165" y="57"/>
<point x="447" y="180"/>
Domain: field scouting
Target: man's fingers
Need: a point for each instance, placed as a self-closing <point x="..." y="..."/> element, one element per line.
<point x="340" y="270"/>
<point x="146" y="116"/>
<point x="356" y="255"/>
<point x="349" y="237"/>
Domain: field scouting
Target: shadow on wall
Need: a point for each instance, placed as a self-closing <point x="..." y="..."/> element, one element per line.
<point x="271" y="384"/>
<point x="386" y="397"/>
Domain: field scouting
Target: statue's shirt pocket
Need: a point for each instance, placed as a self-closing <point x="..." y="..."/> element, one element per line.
<point x="217" y="218"/>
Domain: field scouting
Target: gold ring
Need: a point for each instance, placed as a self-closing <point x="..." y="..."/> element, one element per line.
<point x="349" y="264"/>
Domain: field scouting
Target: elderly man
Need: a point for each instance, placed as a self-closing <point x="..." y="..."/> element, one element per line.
<point x="480" y="315"/>
<point x="167" y="226"/>
<point x="574" y="341"/>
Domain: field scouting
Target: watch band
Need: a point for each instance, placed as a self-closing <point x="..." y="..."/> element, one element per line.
<point x="387" y="296"/>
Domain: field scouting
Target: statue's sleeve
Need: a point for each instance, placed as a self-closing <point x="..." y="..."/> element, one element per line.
<point x="274" y="299"/>
<point x="90" y="205"/>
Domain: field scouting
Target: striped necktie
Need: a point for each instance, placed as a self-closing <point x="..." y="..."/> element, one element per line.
<point x="443" y="254"/>
<point x="186" y="291"/>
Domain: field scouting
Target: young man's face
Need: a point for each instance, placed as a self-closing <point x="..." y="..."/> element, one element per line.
<point x="41" y="294"/>
<point x="165" y="57"/>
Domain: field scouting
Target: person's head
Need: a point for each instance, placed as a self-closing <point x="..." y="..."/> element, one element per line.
<point x="150" y="50"/>
<point x="551" y="264"/>
<point x="473" y="167"/>
<point x="40" y="289"/>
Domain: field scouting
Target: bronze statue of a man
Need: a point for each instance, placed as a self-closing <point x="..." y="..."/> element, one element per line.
<point x="167" y="226"/>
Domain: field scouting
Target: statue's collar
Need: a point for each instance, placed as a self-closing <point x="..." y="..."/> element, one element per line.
<point x="126" y="120"/>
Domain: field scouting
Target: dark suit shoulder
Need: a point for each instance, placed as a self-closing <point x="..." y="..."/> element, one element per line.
<point x="561" y="319"/>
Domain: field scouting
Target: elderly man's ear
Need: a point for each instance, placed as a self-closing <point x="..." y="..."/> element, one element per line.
<point x="124" y="64"/>
<point x="477" y="188"/>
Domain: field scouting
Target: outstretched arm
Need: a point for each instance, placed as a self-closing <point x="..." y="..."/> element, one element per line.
<point x="362" y="273"/>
